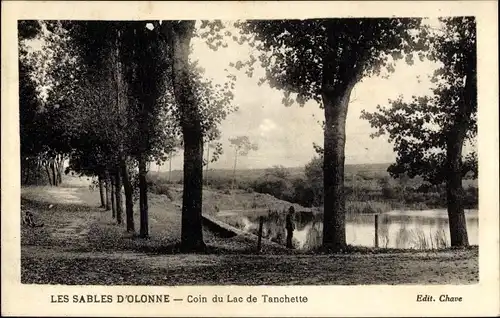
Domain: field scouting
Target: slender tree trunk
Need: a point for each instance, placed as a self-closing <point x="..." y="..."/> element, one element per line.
<point x="26" y="169"/>
<point x="54" y="177"/>
<point x="170" y="170"/>
<point x="234" y="168"/>
<point x="108" y="191"/>
<point x="129" y="200"/>
<point x="143" y="200"/>
<point x="121" y="110"/>
<point x="118" y="196"/>
<point x="59" y="162"/>
<point x="179" y="36"/>
<point x="101" y="191"/>
<point x="335" y="103"/>
<point x="47" y="169"/>
<point x="113" y="196"/>
<point x="208" y="161"/>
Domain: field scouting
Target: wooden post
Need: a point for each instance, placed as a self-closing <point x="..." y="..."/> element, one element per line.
<point x="259" y="241"/>
<point x="376" y="230"/>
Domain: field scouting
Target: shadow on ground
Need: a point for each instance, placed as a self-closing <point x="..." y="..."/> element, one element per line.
<point x="81" y="244"/>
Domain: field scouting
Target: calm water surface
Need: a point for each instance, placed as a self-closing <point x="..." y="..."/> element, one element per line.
<point x="396" y="229"/>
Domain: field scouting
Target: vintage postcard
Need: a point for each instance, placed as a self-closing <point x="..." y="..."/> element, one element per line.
<point x="250" y="158"/>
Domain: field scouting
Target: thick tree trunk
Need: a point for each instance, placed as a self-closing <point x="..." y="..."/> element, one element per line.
<point x="335" y="103"/>
<point x="456" y="137"/>
<point x="179" y="35"/>
<point x="118" y="197"/>
<point x="143" y="200"/>
<point x="192" y="235"/>
<point x="129" y="200"/>
<point x="454" y="190"/>
<point x="108" y="190"/>
<point x="102" y="192"/>
<point x="337" y="84"/>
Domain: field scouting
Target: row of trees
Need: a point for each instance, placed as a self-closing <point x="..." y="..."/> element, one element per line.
<point x="115" y="96"/>
<point x="129" y="89"/>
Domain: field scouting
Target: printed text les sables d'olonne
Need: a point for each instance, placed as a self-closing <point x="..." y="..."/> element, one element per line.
<point x="166" y="298"/>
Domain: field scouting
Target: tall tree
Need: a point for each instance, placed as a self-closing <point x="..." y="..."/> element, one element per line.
<point x="242" y="146"/>
<point x="322" y="60"/>
<point x="29" y="103"/>
<point x="201" y="105"/>
<point x="104" y="50"/>
<point x="45" y="133"/>
<point x="179" y="35"/>
<point x="154" y="132"/>
<point x="429" y="132"/>
<point x="146" y="80"/>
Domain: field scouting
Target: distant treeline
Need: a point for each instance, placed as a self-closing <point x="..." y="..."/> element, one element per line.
<point x="363" y="183"/>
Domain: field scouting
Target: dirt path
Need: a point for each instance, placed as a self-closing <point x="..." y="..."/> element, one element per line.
<point x="65" y="195"/>
<point x="54" y="205"/>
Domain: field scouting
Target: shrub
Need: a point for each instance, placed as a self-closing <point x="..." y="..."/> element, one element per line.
<point x="389" y="193"/>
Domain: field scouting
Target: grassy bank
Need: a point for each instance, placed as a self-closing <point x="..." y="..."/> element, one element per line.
<point x="81" y="244"/>
<point x="93" y="229"/>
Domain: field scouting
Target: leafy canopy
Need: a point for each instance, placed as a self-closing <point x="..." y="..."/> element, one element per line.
<point x="295" y="53"/>
<point x="242" y="145"/>
<point x="420" y="129"/>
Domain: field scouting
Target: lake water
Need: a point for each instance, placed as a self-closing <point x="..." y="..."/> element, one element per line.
<point x="396" y="229"/>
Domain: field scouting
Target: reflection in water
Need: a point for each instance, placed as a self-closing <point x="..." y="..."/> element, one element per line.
<point x="397" y="229"/>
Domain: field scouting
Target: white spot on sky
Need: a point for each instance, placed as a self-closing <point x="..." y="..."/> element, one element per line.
<point x="266" y="126"/>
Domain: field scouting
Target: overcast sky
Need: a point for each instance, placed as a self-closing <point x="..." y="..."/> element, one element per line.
<point x="285" y="135"/>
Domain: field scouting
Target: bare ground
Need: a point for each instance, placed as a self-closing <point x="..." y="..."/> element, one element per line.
<point x="50" y="266"/>
<point x="81" y="244"/>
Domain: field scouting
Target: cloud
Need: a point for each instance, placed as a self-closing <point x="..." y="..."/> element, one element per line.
<point x="267" y="125"/>
<point x="285" y="134"/>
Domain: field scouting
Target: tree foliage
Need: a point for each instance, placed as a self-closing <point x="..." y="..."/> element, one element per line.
<point x="321" y="60"/>
<point x="420" y="128"/>
<point x="293" y="52"/>
<point x="242" y="145"/>
<point x="102" y="94"/>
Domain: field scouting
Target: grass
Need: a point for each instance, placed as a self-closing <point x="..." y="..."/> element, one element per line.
<point x="97" y="231"/>
<point x="363" y="183"/>
<point x="456" y="267"/>
<point x="81" y="244"/>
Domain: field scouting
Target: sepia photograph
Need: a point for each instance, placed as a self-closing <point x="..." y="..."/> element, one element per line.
<point x="318" y="151"/>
